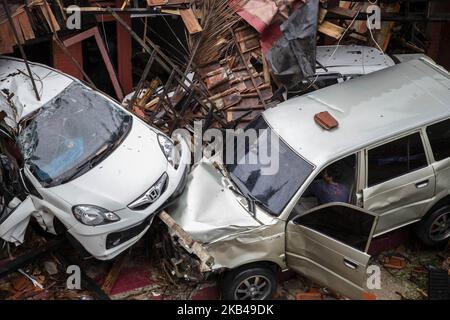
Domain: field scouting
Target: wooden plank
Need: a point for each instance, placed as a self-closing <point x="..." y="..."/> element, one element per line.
<point x="349" y="13"/>
<point x="7" y="41"/>
<point x="175" y="2"/>
<point x="188" y="242"/>
<point x="25" y="26"/>
<point x="171" y="11"/>
<point x="359" y="37"/>
<point x="383" y="36"/>
<point x="190" y="21"/>
<point x="113" y="274"/>
<point x="124" y="66"/>
<point x="108" y="64"/>
<point x="49" y="16"/>
<point x="152" y="3"/>
<point x="322" y="14"/>
<point x="331" y="29"/>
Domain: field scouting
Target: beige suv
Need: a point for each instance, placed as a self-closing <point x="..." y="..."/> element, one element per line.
<point x="392" y="150"/>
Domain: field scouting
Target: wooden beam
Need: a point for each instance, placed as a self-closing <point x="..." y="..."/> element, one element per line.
<point x="93" y="32"/>
<point x="109" y="65"/>
<point x="124" y="52"/>
<point x="190" y="21"/>
<point x="331" y="29"/>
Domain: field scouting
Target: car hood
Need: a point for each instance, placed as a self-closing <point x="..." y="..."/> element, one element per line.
<point x="130" y="170"/>
<point x="208" y="210"/>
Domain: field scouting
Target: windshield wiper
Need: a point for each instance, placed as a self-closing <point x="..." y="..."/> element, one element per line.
<point x="96" y="158"/>
<point x="90" y="162"/>
<point x="251" y="198"/>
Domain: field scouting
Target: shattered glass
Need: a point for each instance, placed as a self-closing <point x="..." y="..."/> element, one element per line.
<point x="67" y="131"/>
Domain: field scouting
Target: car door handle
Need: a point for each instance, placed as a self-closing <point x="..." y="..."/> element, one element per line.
<point x="422" y="184"/>
<point x="350" y="264"/>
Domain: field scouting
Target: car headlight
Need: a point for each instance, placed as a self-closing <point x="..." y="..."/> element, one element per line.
<point x="151" y="195"/>
<point x="170" y="150"/>
<point x="93" y="215"/>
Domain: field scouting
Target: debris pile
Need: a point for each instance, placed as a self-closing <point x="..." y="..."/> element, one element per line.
<point x="243" y="55"/>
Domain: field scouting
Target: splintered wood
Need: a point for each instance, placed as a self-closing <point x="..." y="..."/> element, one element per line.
<point x="190" y="21"/>
<point x="331" y="29"/>
<point x="113" y="274"/>
<point x="26" y="27"/>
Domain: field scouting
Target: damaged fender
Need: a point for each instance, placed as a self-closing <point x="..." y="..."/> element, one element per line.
<point x="13" y="224"/>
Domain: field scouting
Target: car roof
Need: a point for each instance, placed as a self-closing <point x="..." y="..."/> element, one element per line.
<point x="14" y="79"/>
<point x="369" y="109"/>
<point x="351" y="59"/>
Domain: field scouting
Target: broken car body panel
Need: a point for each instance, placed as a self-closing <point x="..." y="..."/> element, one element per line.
<point x="351" y="60"/>
<point x="223" y="220"/>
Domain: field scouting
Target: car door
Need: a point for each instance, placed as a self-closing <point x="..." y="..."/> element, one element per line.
<point x="439" y="137"/>
<point x="329" y="245"/>
<point x="400" y="181"/>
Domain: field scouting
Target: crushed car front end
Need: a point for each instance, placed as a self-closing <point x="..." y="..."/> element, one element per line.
<point x="92" y="168"/>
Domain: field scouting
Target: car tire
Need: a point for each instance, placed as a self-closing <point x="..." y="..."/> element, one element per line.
<point x="256" y="282"/>
<point x="434" y="229"/>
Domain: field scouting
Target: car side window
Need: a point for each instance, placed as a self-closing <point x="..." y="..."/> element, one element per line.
<point x="439" y="136"/>
<point x="336" y="183"/>
<point x="395" y="159"/>
<point x="342" y="223"/>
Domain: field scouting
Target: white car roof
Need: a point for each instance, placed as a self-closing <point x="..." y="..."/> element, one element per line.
<point x="351" y="59"/>
<point x="14" y="79"/>
<point x="369" y="109"/>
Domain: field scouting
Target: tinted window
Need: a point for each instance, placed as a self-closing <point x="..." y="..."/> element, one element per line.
<point x="345" y="224"/>
<point x="273" y="189"/>
<point x="396" y="158"/>
<point x="439" y="136"/>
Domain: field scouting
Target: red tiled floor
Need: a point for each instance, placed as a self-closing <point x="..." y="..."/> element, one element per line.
<point x="135" y="274"/>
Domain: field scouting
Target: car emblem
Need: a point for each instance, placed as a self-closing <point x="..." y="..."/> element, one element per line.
<point x="152" y="194"/>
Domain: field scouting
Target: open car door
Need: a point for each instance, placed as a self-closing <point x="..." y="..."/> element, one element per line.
<point x="329" y="245"/>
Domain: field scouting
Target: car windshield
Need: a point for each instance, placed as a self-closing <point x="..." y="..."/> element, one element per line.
<point x="271" y="187"/>
<point x="69" y="131"/>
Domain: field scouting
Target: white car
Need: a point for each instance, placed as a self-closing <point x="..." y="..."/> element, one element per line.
<point x="79" y="162"/>
<point x="335" y="64"/>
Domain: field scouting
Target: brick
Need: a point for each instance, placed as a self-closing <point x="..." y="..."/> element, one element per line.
<point x="309" y="296"/>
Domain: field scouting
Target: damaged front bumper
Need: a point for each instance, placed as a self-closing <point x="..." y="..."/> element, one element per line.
<point x="190" y="260"/>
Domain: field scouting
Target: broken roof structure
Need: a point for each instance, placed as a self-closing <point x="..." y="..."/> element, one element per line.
<point x="30" y="18"/>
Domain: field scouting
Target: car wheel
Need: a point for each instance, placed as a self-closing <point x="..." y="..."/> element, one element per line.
<point x="250" y="283"/>
<point x="434" y="230"/>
